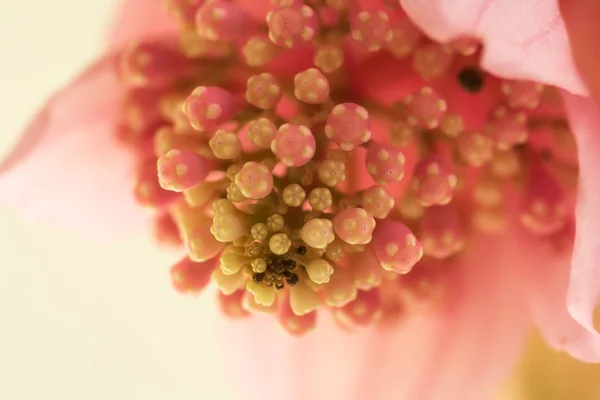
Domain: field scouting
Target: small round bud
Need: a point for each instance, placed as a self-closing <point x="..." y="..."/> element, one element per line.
<point x="208" y="107"/>
<point x="258" y="51"/>
<point x="433" y="181"/>
<point x="329" y="58"/>
<point x="522" y="94"/>
<point x="371" y="29"/>
<point x="292" y="24"/>
<point x="263" y="91"/>
<point x="280" y="243"/>
<point x="431" y="61"/>
<point x="317" y="233"/>
<point x="476" y="149"/>
<point x="294" y="145"/>
<point x="452" y="125"/>
<point x="254" y="180"/>
<point x="225" y="145"/>
<point x="311" y="86"/>
<point x="385" y="163"/>
<point x="320" y="199"/>
<point x="275" y="223"/>
<point x="332" y="172"/>
<point x="294" y="195"/>
<point x="234" y="193"/>
<point x="319" y="270"/>
<point x="348" y="126"/>
<point x="179" y="170"/>
<point x="396" y="247"/>
<point x="377" y="201"/>
<point x="508" y="128"/>
<point x="354" y="225"/>
<point x="405" y="37"/>
<point x="259" y="231"/>
<point x="425" y="108"/>
<point x="401" y="133"/>
<point x="261" y="132"/>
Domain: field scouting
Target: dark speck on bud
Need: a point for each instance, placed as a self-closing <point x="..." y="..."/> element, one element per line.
<point x="301" y="250"/>
<point x="471" y="79"/>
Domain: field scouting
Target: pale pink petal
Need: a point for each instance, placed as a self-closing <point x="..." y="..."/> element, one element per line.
<point x="461" y="352"/>
<point x="575" y="332"/>
<point x="140" y="19"/>
<point x="69" y="168"/>
<point x="581" y="19"/>
<point x="524" y="39"/>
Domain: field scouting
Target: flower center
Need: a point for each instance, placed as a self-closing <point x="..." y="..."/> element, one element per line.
<point x="302" y="175"/>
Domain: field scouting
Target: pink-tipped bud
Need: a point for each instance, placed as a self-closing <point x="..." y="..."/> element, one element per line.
<point x="209" y="107"/>
<point x="254" y="180"/>
<point x="405" y="37"/>
<point x="545" y="210"/>
<point x="354" y="225"/>
<point x="431" y="61"/>
<point x="220" y="20"/>
<point x="195" y="230"/>
<point x="348" y="125"/>
<point x="371" y="29"/>
<point x="385" y="163"/>
<point x="292" y="24"/>
<point x="263" y="91"/>
<point x="296" y="325"/>
<point x="311" y="86"/>
<point x="261" y="132"/>
<point x="166" y="231"/>
<point x="366" y="270"/>
<point x="141" y="110"/>
<point x="377" y="201"/>
<point x="441" y="232"/>
<point x="340" y="290"/>
<point x="294" y="145"/>
<point x="225" y="145"/>
<point x="179" y="170"/>
<point x="191" y="277"/>
<point x="147" y="190"/>
<point x="363" y="310"/>
<point x="231" y="305"/>
<point x="508" y="128"/>
<point x="433" y="181"/>
<point x="152" y="64"/>
<point x="475" y="148"/>
<point x="396" y="246"/>
<point x="425" y="108"/>
<point x="522" y="94"/>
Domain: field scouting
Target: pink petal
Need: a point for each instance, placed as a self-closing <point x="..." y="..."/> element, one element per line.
<point x="140" y="19"/>
<point x="575" y="332"/>
<point x="69" y="168"/>
<point x="581" y="19"/>
<point x="462" y="351"/>
<point x="524" y="39"/>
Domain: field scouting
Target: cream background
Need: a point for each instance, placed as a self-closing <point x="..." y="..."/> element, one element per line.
<point x="79" y="321"/>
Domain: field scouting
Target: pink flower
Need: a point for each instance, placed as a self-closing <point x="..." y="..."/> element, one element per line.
<point x="416" y="211"/>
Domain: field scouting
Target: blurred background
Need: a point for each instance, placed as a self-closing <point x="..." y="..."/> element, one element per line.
<point x="69" y="333"/>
